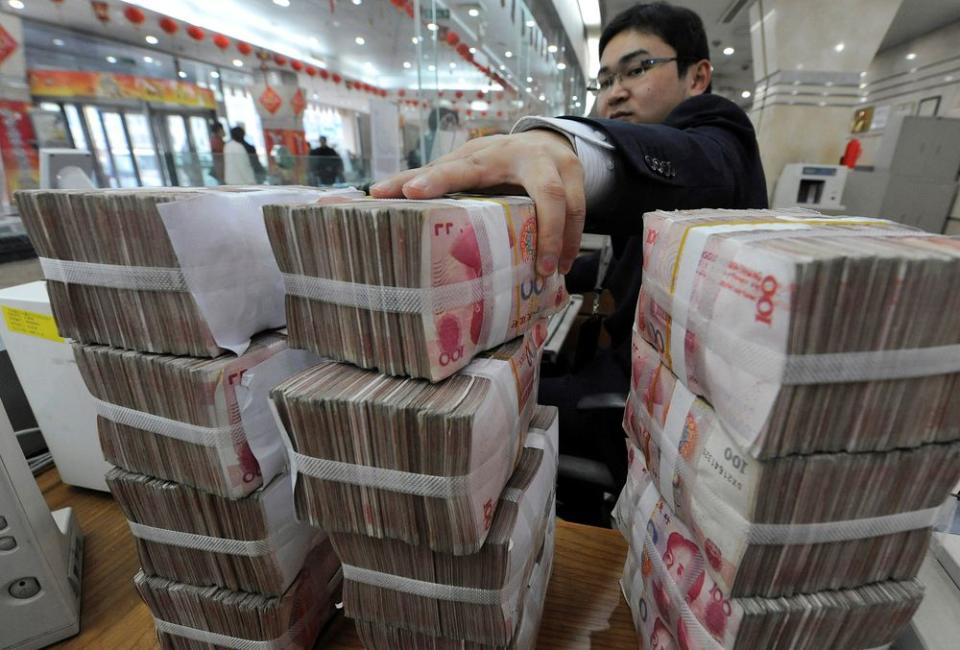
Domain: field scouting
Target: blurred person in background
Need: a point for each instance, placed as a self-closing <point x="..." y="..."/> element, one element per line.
<point x="240" y="161"/>
<point x="216" y="151"/>
<point x="326" y="167"/>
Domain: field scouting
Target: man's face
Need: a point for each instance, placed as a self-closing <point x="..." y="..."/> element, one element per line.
<point x="648" y="98"/>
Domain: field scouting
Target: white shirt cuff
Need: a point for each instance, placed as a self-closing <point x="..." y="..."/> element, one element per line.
<point x="591" y="147"/>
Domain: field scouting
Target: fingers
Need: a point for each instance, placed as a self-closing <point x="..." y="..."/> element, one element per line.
<point x="392" y="188"/>
<point x="571" y="173"/>
<point x="545" y="186"/>
<point x="476" y="171"/>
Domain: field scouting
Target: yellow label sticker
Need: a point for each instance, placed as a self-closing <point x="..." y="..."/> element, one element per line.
<point x="31" y="323"/>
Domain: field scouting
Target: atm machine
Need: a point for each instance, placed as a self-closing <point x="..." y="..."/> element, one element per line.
<point x="818" y="187"/>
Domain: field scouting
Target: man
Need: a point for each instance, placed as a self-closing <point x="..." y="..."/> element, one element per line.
<point x="664" y="142"/>
<point x="240" y="161"/>
<point x="216" y="151"/>
<point x="326" y="167"/>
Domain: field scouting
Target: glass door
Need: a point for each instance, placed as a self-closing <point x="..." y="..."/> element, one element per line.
<point x="184" y="141"/>
<point x="144" y="151"/>
<point x="124" y="165"/>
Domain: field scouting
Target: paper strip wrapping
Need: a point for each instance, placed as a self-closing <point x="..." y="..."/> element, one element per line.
<point x="772" y="527"/>
<point x="476" y="287"/>
<point x="220" y="549"/>
<point x="173" y="270"/>
<point x="365" y="474"/>
<point x="727" y="296"/>
<point x="403" y="579"/>
<point x="676" y="603"/>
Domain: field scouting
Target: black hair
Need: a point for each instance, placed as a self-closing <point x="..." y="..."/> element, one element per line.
<point x="237" y="133"/>
<point x="679" y="27"/>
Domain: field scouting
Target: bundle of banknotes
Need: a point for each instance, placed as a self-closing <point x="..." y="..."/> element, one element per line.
<point x="140" y="269"/>
<point x="405" y="459"/>
<point x="677" y="604"/>
<point x="807" y="333"/>
<point x="196" y="618"/>
<point x="414" y="288"/>
<point x="392" y="585"/>
<point x="376" y="636"/>
<point x="794" y="524"/>
<point x="251" y="544"/>
<point x="179" y="418"/>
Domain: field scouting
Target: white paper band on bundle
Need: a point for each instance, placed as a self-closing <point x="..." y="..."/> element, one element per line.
<point x="222" y="640"/>
<point x="114" y="276"/>
<point x="247" y="548"/>
<point x="799" y="369"/>
<point x="425" y="485"/>
<point x="489" y="221"/>
<point x="412" y="300"/>
<point x="454" y="593"/>
<point x="216" y="437"/>
<point x="667" y="442"/>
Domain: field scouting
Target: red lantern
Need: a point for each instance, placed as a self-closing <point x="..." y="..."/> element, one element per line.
<point x="296" y="65"/>
<point x="469" y="112"/>
<point x="221" y="41"/>
<point x="169" y="25"/>
<point x="463" y="50"/>
<point x="244" y="48"/>
<point x="401" y="93"/>
<point x="479" y="94"/>
<point x="410" y="10"/>
<point x="279" y="59"/>
<point x="453" y="38"/>
<point x="324" y="74"/>
<point x="336" y="78"/>
<point x="311" y="71"/>
<point x="458" y="94"/>
<point x="134" y="15"/>
<point x="195" y="33"/>
<point x="440" y="94"/>
<point x="101" y="10"/>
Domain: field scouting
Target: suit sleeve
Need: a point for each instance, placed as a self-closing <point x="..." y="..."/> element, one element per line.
<point x="664" y="167"/>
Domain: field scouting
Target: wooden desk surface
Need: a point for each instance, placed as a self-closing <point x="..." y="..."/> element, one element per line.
<point x="584" y="607"/>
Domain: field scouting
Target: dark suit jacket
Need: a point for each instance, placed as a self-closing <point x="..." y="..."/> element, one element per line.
<point x="704" y="155"/>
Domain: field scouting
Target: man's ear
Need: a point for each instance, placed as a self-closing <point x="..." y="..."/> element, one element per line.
<point x="699" y="76"/>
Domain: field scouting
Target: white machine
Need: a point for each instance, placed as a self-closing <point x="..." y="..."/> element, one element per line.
<point x="66" y="169"/>
<point x="41" y="557"/>
<point x="59" y="399"/>
<point x="819" y="187"/>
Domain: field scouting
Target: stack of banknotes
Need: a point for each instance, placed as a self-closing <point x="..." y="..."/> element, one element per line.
<point x="413" y="288"/>
<point x="792" y="434"/>
<point x="188" y="617"/>
<point x="419" y="447"/>
<point x="138" y="269"/>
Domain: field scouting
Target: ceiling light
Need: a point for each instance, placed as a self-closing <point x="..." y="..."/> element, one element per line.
<point x="214" y="74"/>
<point x="432" y="68"/>
<point x="16" y="4"/>
<point x="407" y="65"/>
<point x="863" y="99"/>
<point x="561" y="66"/>
<point x="415" y="40"/>
<point x="911" y="56"/>
<point x="182" y="74"/>
<point x="473" y="50"/>
<point x="863" y="85"/>
<point x="238" y="63"/>
<point x="359" y="40"/>
<point x="508" y="54"/>
<point x="452" y="65"/>
<point x="358" y="2"/>
<point x="473" y="13"/>
<point x="282" y="3"/>
<point x="111" y="59"/>
<point x="315" y="96"/>
<point x="58" y="42"/>
<point x="745" y="94"/>
<point x="839" y="47"/>
<point x="542" y="97"/>
<point x="150" y="38"/>
<point x="574" y="98"/>
<point x="531" y="23"/>
<point x="529" y="80"/>
<point x="863" y="74"/>
<point x="529" y="89"/>
<point x="146" y="59"/>
<point x="728" y="50"/>
<point x="503" y="67"/>
<point x="433" y="27"/>
<point x="821" y="103"/>
<point x="551" y="49"/>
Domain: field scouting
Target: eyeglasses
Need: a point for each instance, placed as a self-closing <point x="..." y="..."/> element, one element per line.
<point x="627" y="74"/>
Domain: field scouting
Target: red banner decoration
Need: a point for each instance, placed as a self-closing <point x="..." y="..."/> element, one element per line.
<point x="221" y="41"/>
<point x="271" y="100"/>
<point x="298" y="102"/>
<point x="134" y="15"/>
<point x="8" y="44"/>
<point x="101" y="10"/>
<point x="195" y="33"/>
<point x="21" y="165"/>
<point x="169" y="25"/>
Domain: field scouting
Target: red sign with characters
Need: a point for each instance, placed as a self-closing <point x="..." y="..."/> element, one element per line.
<point x="271" y="100"/>
<point x="8" y="45"/>
<point x="298" y="102"/>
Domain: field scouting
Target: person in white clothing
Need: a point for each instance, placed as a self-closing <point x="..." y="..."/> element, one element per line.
<point x="240" y="163"/>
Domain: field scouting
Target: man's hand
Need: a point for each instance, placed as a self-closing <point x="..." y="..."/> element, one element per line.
<point x="541" y="162"/>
